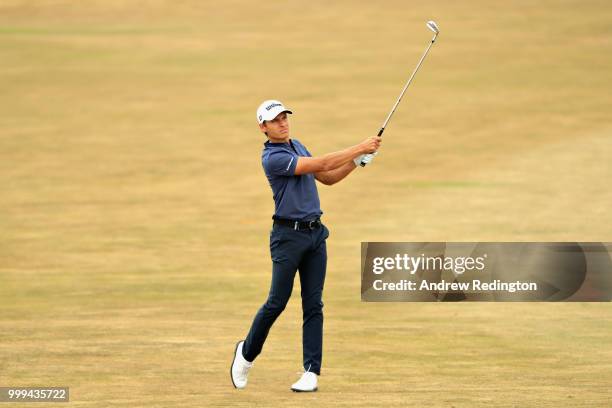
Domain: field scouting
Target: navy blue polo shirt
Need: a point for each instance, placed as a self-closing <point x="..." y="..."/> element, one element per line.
<point x="295" y="197"/>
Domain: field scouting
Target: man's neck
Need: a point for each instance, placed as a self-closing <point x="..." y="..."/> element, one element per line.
<point x="279" y="140"/>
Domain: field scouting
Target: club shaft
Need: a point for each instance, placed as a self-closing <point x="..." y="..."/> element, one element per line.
<point x="384" y="125"/>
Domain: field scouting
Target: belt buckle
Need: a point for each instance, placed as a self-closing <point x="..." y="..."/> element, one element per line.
<point x="311" y="224"/>
<point x="296" y="225"/>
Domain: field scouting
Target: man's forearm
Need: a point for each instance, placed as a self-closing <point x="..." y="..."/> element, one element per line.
<point x="336" y="160"/>
<point x="333" y="161"/>
<point x="334" y="176"/>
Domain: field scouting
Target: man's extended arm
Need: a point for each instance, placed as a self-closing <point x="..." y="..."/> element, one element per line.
<point x="336" y="160"/>
<point x="334" y="176"/>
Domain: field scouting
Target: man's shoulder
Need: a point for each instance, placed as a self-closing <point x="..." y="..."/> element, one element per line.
<point x="271" y="149"/>
<point x="275" y="150"/>
<point x="276" y="157"/>
<point x="302" y="150"/>
<point x="297" y="142"/>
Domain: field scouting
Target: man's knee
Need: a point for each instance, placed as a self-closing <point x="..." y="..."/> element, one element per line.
<point x="312" y="307"/>
<point x="274" y="306"/>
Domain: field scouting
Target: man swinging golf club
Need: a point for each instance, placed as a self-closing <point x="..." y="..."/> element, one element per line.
<point x="297" y="239"/>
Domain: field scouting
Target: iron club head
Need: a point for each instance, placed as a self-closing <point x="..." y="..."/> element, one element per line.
<point x="433" y="26"/>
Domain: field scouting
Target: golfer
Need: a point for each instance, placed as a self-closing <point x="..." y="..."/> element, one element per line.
<point x="297" y="239"/>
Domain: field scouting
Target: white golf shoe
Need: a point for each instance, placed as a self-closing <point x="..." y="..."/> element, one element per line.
<point x="240" y="367"/>
<point x="306" y="383"/>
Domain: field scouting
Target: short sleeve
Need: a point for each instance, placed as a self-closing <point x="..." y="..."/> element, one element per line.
<point x="280" y="163"/>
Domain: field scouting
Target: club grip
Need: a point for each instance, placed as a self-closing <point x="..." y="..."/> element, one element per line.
<point x="380" y="132"/>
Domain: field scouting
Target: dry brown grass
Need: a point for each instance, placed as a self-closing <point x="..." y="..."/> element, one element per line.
<point x="134" y="214"/>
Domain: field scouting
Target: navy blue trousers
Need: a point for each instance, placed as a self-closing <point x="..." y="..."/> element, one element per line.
<point x="306" y="252"/>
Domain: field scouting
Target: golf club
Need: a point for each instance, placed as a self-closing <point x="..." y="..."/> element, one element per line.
<point x="433" y="27"/>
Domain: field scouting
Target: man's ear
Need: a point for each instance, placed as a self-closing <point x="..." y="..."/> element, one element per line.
<point x="263" y="128"/>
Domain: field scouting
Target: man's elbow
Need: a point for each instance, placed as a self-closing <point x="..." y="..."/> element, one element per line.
<point x="325" y="164"/>
<point x="325" y="179"/>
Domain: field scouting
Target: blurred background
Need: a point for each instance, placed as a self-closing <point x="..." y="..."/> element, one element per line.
<point x="135" y="216"/>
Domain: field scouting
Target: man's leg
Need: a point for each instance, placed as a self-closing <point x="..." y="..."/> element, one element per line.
<point x="286" y="251"/>
<point x="312" y="277"/>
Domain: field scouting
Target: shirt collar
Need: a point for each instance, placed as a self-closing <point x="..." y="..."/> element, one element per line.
<point x="267" y="143"/>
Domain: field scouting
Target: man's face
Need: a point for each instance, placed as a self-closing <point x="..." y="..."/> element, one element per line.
<point x="277" y="128"/>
